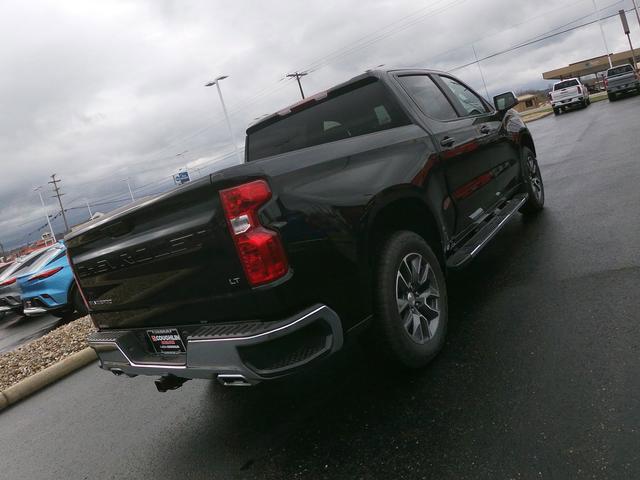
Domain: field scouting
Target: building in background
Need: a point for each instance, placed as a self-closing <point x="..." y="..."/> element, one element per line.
<point x="529" y="102"/>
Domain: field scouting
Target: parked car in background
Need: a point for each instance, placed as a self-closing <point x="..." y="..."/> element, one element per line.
<point x="50" y="287"/>
<point x="622" y="79"/>
<point x="4" y="266"/>
<point x="569" y="93"/>
<point x="10" y="294"/>
<point x="350" y="208"/>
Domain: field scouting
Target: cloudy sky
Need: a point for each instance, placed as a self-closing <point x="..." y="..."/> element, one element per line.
<point x="98" y="91"/>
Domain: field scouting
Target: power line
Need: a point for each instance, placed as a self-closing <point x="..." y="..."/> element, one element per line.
<point x="531" y="42"/>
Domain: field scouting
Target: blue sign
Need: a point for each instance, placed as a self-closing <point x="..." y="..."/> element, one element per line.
<point x="181" y="178"/>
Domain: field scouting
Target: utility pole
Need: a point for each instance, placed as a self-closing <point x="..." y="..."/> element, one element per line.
<point x="44" y="208"/>
<point x="480" y="69"/>
<point x="59" y="195"/>
<point x="627" y="31"/>
<point x="297" y="76"/>
<point x="89" y="208"/>
<point x="604" y="39"/>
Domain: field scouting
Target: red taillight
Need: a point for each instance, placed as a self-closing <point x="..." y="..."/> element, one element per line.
<point x="606" y="83"/>
<point x="260" y="249"/>
<point x="6" y="283"/>
<point x="579" y="89"/>
<point x="45" y="274"/>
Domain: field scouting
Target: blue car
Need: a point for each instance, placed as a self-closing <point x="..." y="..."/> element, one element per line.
<point x="50" y="287"/>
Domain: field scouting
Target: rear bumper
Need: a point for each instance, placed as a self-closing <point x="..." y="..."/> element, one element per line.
<point x="567" y="102"/>
<point x="633" y="85"/>
<point x="235" y="353"/>
<point x="38" y="305"/>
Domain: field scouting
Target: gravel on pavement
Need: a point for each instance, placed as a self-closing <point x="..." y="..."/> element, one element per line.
<point x="39" y="354"/>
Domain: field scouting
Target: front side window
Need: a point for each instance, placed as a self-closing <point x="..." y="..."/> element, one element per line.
<point x="433" y="103"/>
<point x="358" y="109"/>
<point x="470" y="101"/>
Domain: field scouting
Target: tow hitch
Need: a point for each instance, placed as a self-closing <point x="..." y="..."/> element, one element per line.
<point x="169" y="382"/>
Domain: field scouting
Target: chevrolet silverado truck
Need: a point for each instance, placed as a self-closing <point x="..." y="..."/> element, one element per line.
<point x="343" y="221"/>
<point x="622" y="79"/>
<point x="568" y="94"/>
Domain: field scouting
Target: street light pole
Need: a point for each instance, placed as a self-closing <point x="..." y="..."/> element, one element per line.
<point x="604" y="39"/>
<point x="486" y="91"/>
<point x="216" y="82"/>
<point x="44" y="208"/>
<point x="129" y="185"/>
<point x="89" y="208"/>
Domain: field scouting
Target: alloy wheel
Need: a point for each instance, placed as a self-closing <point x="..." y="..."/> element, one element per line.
<point x="535" y="178"/>
<point x="418" y="298"/>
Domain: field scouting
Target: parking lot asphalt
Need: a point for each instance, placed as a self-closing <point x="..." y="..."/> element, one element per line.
<point x="538" y="379"/>
<point x="18" y="329"/>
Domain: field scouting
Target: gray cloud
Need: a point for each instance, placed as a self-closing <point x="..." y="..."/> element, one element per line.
<point x="100" y="91"/>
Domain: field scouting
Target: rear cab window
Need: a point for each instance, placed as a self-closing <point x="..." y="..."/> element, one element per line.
<point x="565" y="84"/>
<point x="357" y="109"/>
<point x="612" y="72"/>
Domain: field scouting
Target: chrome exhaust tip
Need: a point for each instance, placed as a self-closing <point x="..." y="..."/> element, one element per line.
<point x="233" y="380"/>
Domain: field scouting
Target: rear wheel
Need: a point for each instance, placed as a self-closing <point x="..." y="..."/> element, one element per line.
<point x="556" y="111"/>
<point x="77" y="302"/>
<point x="410" y="301"/>
<point x="611" y="96"/>
<point x="532" y="179"/>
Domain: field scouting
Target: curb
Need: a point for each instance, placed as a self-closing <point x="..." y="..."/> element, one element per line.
<point x="537" y="116"/>
<point x="39" y="380"/>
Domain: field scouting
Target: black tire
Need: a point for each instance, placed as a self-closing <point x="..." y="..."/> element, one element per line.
<point x="556" y="111"/>
<point x="60" y="312"/>
<point x="583" y="103"/>
<point x="611" y="96"/>
<point x="414" y="342"/>
<point x="77" y="303"/>
<point x="588" y="101"/>
<point x="532" y="183"/>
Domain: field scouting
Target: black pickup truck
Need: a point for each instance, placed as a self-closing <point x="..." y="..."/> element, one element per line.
<point x="348" y="212"/>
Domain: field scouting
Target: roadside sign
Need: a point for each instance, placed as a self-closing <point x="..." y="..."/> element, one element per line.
<point x="181" y="178"/>
<point x="625" y="24"/>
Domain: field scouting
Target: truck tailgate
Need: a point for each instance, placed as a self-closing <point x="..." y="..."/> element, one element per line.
<point x="160" y="262"/>
<point x="565" y="94"/>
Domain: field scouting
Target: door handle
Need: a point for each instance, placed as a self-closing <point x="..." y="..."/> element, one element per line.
<point x="485" y="130"/>
<point x="447" y="142"/>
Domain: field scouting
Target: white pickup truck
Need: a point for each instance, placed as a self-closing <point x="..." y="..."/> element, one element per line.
<point x="569" y="93"/>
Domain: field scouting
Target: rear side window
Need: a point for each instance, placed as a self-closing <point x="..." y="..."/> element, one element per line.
<point x="428" y="96"/>
<point x="565" y="84"/>
<point x="619" y="70"/>
<point x="470" y="101"/>
<point x="359" y="109"/>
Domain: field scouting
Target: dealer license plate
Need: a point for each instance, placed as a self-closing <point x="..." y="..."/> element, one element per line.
<point x="166" y="340"/>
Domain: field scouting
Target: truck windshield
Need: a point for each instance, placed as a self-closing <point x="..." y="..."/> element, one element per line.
<point x="619" y="70"/>
<point x="357" y="109"/>
<point x="565" y="84"/>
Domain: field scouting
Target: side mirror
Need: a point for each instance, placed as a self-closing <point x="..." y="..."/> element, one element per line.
<point x="505" y="101"/>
